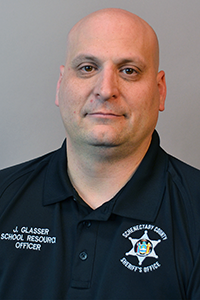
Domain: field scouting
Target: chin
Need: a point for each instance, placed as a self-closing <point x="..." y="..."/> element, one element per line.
<point x="105" y="143"/>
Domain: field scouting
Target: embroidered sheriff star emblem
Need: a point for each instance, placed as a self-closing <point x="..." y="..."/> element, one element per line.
<point x="143" y="247"/>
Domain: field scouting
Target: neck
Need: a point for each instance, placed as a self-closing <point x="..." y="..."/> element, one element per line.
<point x="99" y="175"/>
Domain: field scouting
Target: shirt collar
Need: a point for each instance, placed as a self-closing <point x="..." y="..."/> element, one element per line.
<point x="57" y="186"/>
<point x="139" y="199"/>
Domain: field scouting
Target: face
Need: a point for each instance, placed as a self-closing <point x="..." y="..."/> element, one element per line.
<point x="109" y="91"/>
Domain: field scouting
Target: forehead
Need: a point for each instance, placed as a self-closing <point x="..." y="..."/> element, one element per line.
<point x="110" y="35"/>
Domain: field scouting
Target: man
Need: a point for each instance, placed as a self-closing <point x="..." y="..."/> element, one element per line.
<point x="110" y="215"/>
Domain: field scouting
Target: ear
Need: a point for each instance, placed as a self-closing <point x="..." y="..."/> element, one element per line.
<point x="162" y="89"/>
<point x="58" y="84"/>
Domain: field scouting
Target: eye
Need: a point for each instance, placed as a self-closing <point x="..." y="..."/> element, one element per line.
<point x="87" y="68"/>
<point x="129" y="71"/>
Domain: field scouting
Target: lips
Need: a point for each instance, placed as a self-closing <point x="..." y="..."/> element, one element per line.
<point x="104" y="114"/>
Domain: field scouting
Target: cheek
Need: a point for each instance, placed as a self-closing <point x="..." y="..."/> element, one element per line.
<point x="67" y="95"/>
<point x="149" y="97"/>
<point x="74" y="96"/>
<point x="71" y="105"/>
<point x="144" y="104"/>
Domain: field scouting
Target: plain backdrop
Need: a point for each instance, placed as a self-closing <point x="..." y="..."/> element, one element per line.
<point x="33" y="39"/>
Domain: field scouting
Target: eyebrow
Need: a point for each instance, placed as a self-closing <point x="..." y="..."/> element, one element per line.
<point x="91" y="58"/>
<point x="84" y="57"/>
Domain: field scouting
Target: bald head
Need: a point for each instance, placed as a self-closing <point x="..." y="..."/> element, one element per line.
<point x="109" y="23"/>
<point x="110" y="91"/>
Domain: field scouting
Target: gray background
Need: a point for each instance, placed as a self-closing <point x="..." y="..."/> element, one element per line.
<point x="33" y="38"/>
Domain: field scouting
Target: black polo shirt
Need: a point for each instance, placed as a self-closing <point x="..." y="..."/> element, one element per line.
<point x="142" y="244"/>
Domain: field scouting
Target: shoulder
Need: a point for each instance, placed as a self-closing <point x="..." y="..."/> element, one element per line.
<point x="183" y="172"/>
<point x="22" y="171"/>
<point x="187" y="181"/>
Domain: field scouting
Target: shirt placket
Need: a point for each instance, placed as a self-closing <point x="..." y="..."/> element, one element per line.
<point x="84" y="256"/>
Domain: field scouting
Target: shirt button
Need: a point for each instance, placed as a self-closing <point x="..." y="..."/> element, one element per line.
<point x="88" y="224"/>
<point x="83" y="255"/>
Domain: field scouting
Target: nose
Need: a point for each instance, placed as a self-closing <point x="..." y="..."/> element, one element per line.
<point x="107" y="85"/>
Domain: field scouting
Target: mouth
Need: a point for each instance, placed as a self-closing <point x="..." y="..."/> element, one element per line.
<point x="104" y="115"/>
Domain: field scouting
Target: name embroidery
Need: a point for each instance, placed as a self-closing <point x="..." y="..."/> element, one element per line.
<point x="29" y="238"/>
